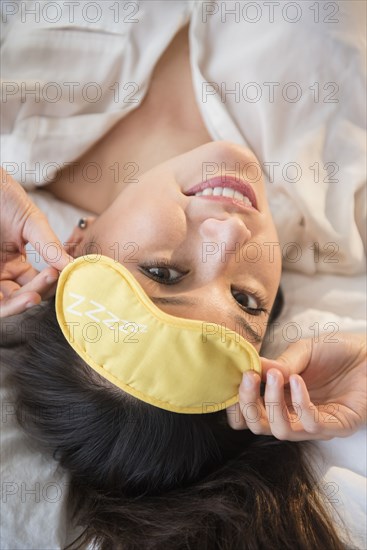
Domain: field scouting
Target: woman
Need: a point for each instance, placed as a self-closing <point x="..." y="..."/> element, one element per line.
<point x="199" y="464"/>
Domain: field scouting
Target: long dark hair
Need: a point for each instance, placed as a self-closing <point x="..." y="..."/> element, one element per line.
<point x="141" y="476"/>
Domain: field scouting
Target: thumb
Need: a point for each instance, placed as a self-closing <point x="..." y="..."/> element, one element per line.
<point x="39" y="234"/>
<point x="294" y="360"/>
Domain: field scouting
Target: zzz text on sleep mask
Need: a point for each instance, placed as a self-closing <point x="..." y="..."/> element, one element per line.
<point x="181" y="365"/>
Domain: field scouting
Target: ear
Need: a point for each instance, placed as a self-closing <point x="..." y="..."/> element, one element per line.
<point x="78" y="234"/>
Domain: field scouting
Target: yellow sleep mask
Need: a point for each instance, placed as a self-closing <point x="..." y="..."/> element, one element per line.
<point x="181" y="365"/>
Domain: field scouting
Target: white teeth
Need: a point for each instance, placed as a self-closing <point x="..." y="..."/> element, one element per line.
<point x="228" y="192"/>
<point x="238" y="196"/>
<point x="225" y="192"/>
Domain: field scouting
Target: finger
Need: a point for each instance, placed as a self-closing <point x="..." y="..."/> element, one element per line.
<point x="306" y="410"/>
<point x="251" y="404"/>
<point x="18" y="304"/>
<point x="235" y="418"/>
<point x="39" y="234"/>
<point x="314" y="422"/>
<point x="41" y="284"/>
<point x="285" y="425"/>
<point x="7" y="288"/>
<point x="49" y="274"/>
<point x="267" y="364"/>
<point x="278" y="415"/>
<point x="19" y="270"/>
<point x="293" y="360"/>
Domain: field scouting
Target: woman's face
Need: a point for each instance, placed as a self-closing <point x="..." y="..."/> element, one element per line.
<point x="205" y="257"/>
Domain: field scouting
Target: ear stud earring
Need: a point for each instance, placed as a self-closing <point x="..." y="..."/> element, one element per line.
<point x="82" y="223"/>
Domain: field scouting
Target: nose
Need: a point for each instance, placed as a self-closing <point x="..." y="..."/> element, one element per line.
<point x="222" y="240"/>
<point x="231" y="232"/>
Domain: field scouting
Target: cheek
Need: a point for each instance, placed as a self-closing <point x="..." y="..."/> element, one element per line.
<point x="154" y="224"/>
<point x="270" y="268"/>
<point x="271" y="254"/>
<point x="272" y="258"/>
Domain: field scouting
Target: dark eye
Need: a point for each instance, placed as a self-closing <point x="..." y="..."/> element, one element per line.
<point x="164" y="274"/>
<point x="248" y="302"/>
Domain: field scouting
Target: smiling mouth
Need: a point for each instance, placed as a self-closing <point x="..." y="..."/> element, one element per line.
<point x="226" y="189"/>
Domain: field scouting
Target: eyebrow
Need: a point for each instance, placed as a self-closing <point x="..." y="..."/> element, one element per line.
<point x="180" y="301"/>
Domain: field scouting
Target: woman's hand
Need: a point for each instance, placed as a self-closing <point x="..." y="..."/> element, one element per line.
<point x="324" y="396"/>
<point x="21" y="285"/>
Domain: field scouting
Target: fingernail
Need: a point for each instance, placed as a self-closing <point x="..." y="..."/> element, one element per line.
<point x="51" y="279"/>
<point x="248" y="380"/>
<point x="29" y="305"/>
<point x="271" y="378"/>
<point x="294" y="383"/>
